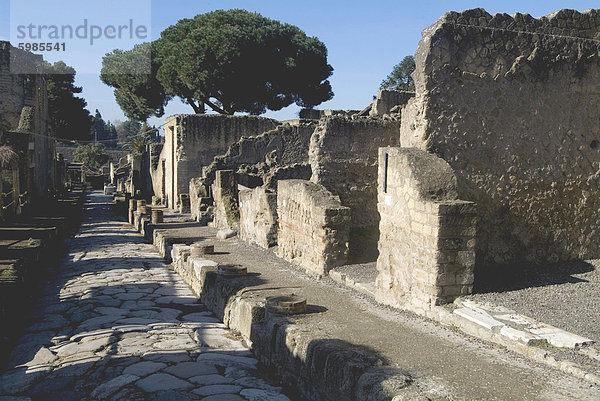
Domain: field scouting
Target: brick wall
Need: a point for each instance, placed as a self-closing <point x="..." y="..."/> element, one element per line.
<point x="427" y="236"/>
<point x="313" y="226"/>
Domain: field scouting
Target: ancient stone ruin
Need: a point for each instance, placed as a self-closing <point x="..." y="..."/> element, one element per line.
<point x="491" y="161"/>
<point x="509" y="106"/>
<point x="191" y="142"/>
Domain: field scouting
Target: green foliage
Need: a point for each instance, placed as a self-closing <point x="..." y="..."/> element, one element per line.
<point x="137" y="143"/>
<point x="400" y="78"/>
<point x="93" y="156"/>
<point x="133" y="75"/>
<point x="232" y="61"/>
<point x="69" y="118"/>
<point x="102" y="131"/>
<point x="127" y="129"/>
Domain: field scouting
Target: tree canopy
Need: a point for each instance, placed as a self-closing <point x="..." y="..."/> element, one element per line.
<point x="93" y="156"/>
<point x="69" y="118"/>
<point x="133" y="75"/>
<point x="126" y="129"/>
<point x="102" y="131"/>
<point x="231" y="61"/>
<point x="400" y="78"/>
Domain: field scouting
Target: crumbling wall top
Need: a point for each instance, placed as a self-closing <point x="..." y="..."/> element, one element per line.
<point x="502" y="45"/>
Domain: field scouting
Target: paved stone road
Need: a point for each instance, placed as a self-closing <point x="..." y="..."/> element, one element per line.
<point x="120" y="325"/>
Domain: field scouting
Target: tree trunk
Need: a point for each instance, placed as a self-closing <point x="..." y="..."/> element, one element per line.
<point x="198" y="108"/>
<point x="217" y="108"/>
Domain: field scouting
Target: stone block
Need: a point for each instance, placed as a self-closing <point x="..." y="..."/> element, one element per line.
<point x="225" y="234"/>
<point x="313" y="226"/>
<point x="225" y="195"/>
<point x="258" y="216"/>
<point x="424" y="259"/>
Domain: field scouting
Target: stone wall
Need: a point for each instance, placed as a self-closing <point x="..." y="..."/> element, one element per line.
<point x="282" y="146"/>
<point x="313" y="226"/>
<point x="389" y="101"/>
<point x="258" y="216"/>
<point x="24" y="111"/>
<point x="343" y="158"/>
<point x="225" y="194"/>
<point x="258" y="160"/>
<point x="153" y="173"/>
<point x="427" y="236"/>
<point x="512" y="104"/>
<point x="193" y="140"/>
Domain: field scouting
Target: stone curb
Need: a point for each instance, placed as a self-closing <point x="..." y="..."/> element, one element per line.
<point x="319" y="368"/>
<point x="504" y="327"/>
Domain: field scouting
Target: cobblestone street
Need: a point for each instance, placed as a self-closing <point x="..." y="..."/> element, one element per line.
<point x="119" y="324"/>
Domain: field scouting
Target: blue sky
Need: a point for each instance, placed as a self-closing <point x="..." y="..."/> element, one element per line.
<point x="365" y="39"/>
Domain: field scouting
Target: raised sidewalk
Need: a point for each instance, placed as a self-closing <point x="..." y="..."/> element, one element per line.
<point x="346" y="346"/>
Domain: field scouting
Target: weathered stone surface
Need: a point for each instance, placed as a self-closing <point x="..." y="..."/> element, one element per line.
<point x="162" y="381"/>
<point x="209" y="380"/>
<point x="427" y="236"/>
<point x="226" y="233"/>
<point x="262" y="395"/>
<point x="313" y="226"/>
<point x="226" y="360"/>
<point x="200" y="317"/>
<point x="258" y="216"/>
<point x="50" y="386"/>
<point x="23" y="110"/>
<point x="386" y="100"/>
<point x="43" y="357"/>
<point x="138" y="345"/>
<point x="145" y="368"/>
<point x="259" y="159"/>
<point x="190" y="369"/>
<point x="19" y="380"/>
<point x="217" y="389"/>
<point x="112" y="386"/>
<point x="192" y="141"/>
<point x="224" y="397"/>
<point x="256" y="383"/>
<point x="225" y="196"/>
<point x="495" y="98"/>
<point x="343" y="158"/>
<point x="50" y="322"/>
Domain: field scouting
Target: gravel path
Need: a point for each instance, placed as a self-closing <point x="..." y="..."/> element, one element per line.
<point x="564" y="295"/>
<point x="120" y="325"/>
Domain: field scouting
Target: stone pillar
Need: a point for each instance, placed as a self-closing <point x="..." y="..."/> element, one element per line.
<point x="427" y="235"/>
<point x="132" y="209"/>
<point x="258" y="216"/>
<point x="225" y="195"/>
<point x="157" y="216"/>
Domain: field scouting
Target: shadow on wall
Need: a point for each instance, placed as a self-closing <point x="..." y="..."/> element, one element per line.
<point x="504" y="278"/>
<point x="362" y="245"/>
